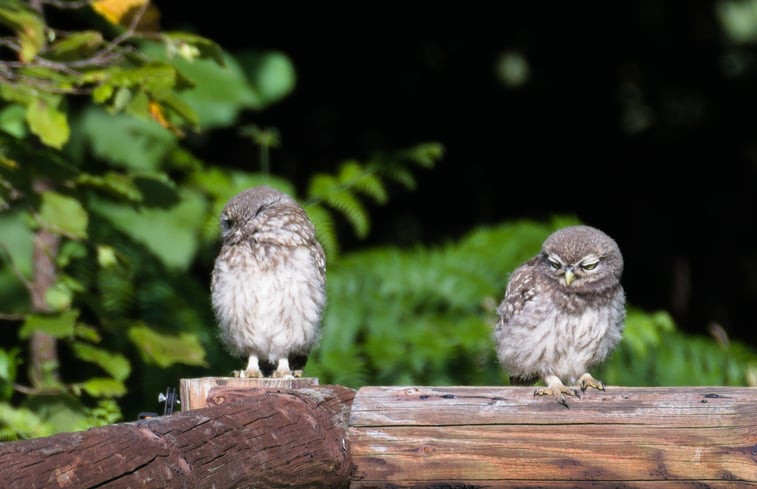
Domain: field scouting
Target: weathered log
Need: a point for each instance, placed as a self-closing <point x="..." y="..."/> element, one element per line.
<point x="194" y="392"/>
<point x="504" y="437"/>
<point x="255" y="438"/>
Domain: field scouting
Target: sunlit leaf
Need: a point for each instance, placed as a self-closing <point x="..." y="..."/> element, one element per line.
<point x="122" y="12"/>
<point x="63" y="214"/>
<point x="27" y="24"/>
<point x="190" y="46"/>
<point x="59" y="326"/>
<point x="172" y="234"/>
<point x="113" y="363"/>
<point x="59" y="297"/>
<point x="47" y="122"/>
<point x="165" y="350"/>
<point x="104" y="387"/>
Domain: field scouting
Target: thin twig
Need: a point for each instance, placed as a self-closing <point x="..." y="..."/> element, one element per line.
<point x="11" y="317"/>
<point x="71" y="5"/>
<point x="43" y="391"/>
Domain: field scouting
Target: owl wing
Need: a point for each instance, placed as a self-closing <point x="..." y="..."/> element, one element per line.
<point x="319" y="257"/>
<point x="520" y="289"/>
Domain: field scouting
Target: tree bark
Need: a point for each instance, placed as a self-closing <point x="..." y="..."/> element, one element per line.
<point x="253" y="438"/>
<point x="43" y="369"/>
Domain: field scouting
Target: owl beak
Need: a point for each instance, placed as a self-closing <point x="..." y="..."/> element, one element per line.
<point x="569" y="276"/>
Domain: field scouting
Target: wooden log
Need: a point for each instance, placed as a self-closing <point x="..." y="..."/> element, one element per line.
<point x="194" y="392"/>
<point x="504" y="437"/>
<point x="252" y="438"/>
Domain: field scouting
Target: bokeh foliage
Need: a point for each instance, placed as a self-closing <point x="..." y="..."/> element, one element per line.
<point x="97" y="140"/>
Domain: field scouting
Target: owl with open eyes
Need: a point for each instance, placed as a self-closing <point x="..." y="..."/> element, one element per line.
<point x="268" y="286"/>
<point x="563" y="311"/>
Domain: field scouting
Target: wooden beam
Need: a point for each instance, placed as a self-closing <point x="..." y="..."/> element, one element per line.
<point x="504" y="437"/>
<point x="253" y="438"/>
<point x="194" y="392"/>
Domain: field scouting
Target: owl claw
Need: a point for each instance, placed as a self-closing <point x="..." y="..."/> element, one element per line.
<point x="247" y="374"/>
<point x="556" y="388"/>
<point x="587" y="381"/>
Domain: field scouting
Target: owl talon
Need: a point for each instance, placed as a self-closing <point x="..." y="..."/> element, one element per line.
<point x="587" y="381"/>
<point x="556" y="388"/>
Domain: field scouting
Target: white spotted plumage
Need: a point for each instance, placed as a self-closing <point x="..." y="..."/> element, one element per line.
<point x="268" y="283"/>
<point x="554" y="327"/>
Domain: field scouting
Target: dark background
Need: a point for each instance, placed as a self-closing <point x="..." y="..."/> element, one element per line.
<point x="637" y="117"/>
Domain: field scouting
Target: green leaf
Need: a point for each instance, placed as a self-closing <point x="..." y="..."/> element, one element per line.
<point x="63" y="214"/>
<point x="116" y="184"/>
<point x="114" y="363"/>
<point x="106" y="256"/>
<point x="59" y="296"/>
<point x="9" y="362"/>
<point x="219" y="93"/>
<point x="171" y="234"/>
<point x="129" y="142"/>
<point x="104" y="387"/>
<point x="165" y="350"/>
<point x="191" y="46"/>
<point x="271" y="74"/>
<point x="77" y="45"/>
<point x="23" y="422"/>
<point x="59" y="326"/>
<point x="47" y="122"/>
<point x="12" y="120"/>
<point x="27" y="24"/>
<point x="87" y="333"/>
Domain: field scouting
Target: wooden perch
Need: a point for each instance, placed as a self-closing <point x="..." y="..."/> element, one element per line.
<point x="256" y="438"/>
<point x="504" y="437"/>
<point x="437" y="437"/>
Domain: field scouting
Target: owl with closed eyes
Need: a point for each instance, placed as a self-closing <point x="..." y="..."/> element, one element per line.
<point x="563" y="312"/>
<point x="268" y="286"/>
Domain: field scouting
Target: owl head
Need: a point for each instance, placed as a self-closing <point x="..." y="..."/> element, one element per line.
<point x="581" y="259"/>
<point x="245" y="211"/>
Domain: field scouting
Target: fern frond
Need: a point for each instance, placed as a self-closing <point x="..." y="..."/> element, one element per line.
<point x="363" y="179"/>
<point x="324" y="229"/>
<point x="425" y="154"/>
<point x="328" y="189"/>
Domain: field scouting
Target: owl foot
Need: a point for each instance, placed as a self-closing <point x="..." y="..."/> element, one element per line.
<point x="252" y="371"/>
<point x="556" y="388"/>
<point x="247" y="374"/>
<point x="587" y="380"/>
<point x="283" y="371"/>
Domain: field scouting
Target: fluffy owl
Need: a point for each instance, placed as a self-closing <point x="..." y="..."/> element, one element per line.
<point x="563" y="311"/>
<point x="268" y="283"/>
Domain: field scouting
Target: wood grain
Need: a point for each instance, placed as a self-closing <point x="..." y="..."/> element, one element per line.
<point x="261" y="439"/>
<point x="504" y="437"/>
<point x="194" y="392"/>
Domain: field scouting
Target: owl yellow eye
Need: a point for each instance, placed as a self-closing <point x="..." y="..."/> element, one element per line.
<point x="590" y="266"/>
<point x="554" y="263"/>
